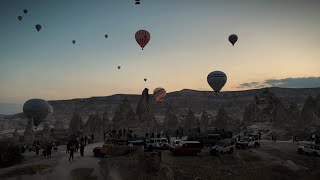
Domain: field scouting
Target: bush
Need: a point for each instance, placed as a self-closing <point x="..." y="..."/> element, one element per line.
<point x="10" y="153"/>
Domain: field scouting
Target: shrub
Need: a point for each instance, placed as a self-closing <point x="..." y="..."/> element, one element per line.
<point x="10" y="153"/>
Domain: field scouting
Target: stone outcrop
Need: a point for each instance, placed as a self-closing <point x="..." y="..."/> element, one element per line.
<point x="59" y="124"/>
<point x="309" y="114"/>
<point x="144" y="115"/>
<point x="222" y="119"/>
<point x="16" y="136"/>
<point x="29" y="133"/>
<point x="189" y="124"/>
<point x="124" y="115"/>
<point x="76" y="125"/>
<point x="107" y="125"/>
<point x="171" y="119"/>
<point x="94" y="125"/>
<point x="46" y="131"/>
<point x="204" y="122"/>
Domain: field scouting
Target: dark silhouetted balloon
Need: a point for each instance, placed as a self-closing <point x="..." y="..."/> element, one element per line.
<point x="159" y="94"/>
<point x="233" y="39"/>
<point x="106" y="35"/>
<point x="38" y="27"/>
<point x="145" y="79"/>
<point x="73" y="41"/>
<point x="38" y="110"/>
<point x="25" y="11"/>
<point x="119" y="67"/>
<point x="217" y="79"/>
<point x="142" y="37"/>
<point x="137" y="2"/>
<point x="20" y="18"/>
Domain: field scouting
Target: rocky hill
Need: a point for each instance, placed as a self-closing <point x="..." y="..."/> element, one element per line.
<point x="234" y="104"/>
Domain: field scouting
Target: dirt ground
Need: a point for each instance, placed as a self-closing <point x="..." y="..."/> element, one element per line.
<point x="274" y="160"/>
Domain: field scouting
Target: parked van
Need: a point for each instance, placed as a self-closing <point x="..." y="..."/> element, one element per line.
<point x="157" y="143"/>
<point x="223" y="146"/>
<point x="248" y="142"/>
<point x="188" y="147"/>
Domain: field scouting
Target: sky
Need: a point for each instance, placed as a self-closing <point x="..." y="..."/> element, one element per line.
<point x="278" y="46"/>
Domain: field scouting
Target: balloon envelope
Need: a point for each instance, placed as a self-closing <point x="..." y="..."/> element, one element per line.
<point x="159" y="94"/>
<point x="20" y="18"/>
<point x="119" y="67"/>
<point x="38" y="27"/>
<point x="233" y="39"/>
<point x="145" y="79"/>
<point x="106" y="36"/>
<point x="73" y="41"/>
<point x="142" y="38"/>
<point x="217" y="79"/>
<point x="38" y="110"/>
<point x="25" y="11"/>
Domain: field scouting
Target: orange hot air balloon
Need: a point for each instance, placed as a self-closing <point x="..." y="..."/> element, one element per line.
<point x="142" y="37"/>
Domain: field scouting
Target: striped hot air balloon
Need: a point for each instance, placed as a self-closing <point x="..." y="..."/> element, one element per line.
<point x="159" y="94"/>
<point x="142" y="37"/>
<point x="217" y="79"/>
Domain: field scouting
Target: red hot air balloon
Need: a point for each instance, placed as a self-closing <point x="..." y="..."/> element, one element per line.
<point x="142" y="37"/>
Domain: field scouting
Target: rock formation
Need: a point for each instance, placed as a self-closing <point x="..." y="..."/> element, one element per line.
<point x="189" y="124"/>
<point x="59" y="124"/>
<point x="124" y="115"/>
<point x="145" y="120"/>
<point x="309" y="114"/>
<point x="171" y="120"/>
<point x="16" y="136"/>
<point x="29" y="133"/>
<point x="106" y="122"/>
<point x="46" y="131"/>
<point x="222" y="119"/>
<point x="94" y="126"/>
<point x="76" y="125"/>
<point x="204" y="122"/>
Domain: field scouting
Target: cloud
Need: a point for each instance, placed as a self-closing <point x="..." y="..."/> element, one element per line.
<point x="301" y="82"/>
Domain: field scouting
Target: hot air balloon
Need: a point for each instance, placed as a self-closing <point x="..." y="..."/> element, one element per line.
<point x="37" y="110"/>
<point x="137" y="2"/>
<point x="233" y="39"/>
<point x="73" y="41"/>
<point x="38" y="27"/>
<point x="25" y="11"/>
<point x="106" y="35"/>
<point x="145" y="79"/>
<point x="119" y="67"/>
<point x="142" y="38"/>
<point x="217" y="79"/>
<point x="20" y="18"/>
<point x="159" y="94"/>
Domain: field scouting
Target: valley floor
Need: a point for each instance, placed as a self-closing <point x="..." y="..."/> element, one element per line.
<point x="274" y="160"/>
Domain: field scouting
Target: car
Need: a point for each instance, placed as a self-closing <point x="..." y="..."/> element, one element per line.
<point x="105" y="149"/>
<point x="187" y="148"/>
<point x="157" y="143"/>
<point x="310" y="149"/>
<point x="222" y="147"/>
<point x="211" y="139"/>
<point x="248" y="142"/>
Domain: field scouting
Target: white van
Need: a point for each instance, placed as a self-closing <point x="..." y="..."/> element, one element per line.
<point x="174" y="143"/>
<point x="222" y="147"/>
<point x="157" y="143"/>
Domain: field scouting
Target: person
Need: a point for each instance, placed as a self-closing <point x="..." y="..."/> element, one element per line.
<point x="82" y="149"/>
<point x="77" y="146"/>
<point x="71" y="152"/>
<point x="24" y="147"/>
<point x="104" y="136"/>
<point x="37" y="149"/>
<point x="85" y="140"/>
<point x="49" y="150"/>
<point x="92" y="137"/>
<point x="313" y="138"/>
<point x="152" y="135"/>
<point x="147" y="135"/>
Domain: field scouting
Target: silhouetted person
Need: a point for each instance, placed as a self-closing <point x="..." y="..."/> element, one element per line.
<point x="37" y="149"/>
<point x="92" y="137"/>
<point x="85" y="140"/>
<point x="71" y="152"/>
<point x="152" y="135"/>
<point x="158" y="135"/>
<point x="82" y="149"/>
<point x="68" y="147"/>
<point x="147" y="135"/>
<point x="23" y="149"/>
<point x="49" y="150"/>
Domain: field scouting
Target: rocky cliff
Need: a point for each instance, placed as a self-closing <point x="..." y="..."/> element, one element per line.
<point x="124" y="115"/>
<point x="94" y="125"/>
<point x="76" y="125"/>
<point x="171" y="121"/>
